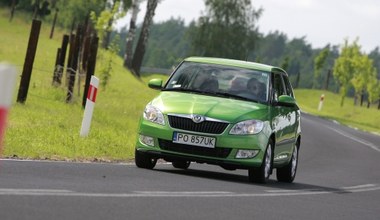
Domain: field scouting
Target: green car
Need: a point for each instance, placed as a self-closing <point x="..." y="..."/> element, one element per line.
<point x="231" y="113"/>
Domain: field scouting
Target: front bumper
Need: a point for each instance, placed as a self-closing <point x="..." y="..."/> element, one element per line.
<point x="223" y="154"/>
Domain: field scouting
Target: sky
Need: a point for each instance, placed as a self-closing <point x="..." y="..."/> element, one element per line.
<point x="320" y="21"/>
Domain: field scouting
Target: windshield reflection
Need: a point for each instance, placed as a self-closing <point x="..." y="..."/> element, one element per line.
<point x="219" y="80"/>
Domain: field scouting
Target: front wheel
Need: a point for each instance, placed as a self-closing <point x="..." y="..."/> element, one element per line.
<point x="144" y="161"/>
<point x="261" y="174"/>
<point x="288" y="172"/>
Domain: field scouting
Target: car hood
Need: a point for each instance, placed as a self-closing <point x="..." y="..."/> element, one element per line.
<point x="227" y="109"/>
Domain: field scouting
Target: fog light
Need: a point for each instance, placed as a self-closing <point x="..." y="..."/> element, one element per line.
<point x="244" y="154"/>
<point x="147" y="140"/>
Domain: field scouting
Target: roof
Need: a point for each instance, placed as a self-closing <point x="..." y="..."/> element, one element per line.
<point x="235" y="63"/>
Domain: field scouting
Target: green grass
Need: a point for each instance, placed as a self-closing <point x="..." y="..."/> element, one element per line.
<point x="45" y="127"/>
<point x="351" y="115"/>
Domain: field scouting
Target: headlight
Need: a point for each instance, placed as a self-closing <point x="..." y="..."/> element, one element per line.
<point x="154" y="115"/>
<point x="247" y="127"/>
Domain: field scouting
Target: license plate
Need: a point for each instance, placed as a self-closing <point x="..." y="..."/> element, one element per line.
<point x="195" y="140"/>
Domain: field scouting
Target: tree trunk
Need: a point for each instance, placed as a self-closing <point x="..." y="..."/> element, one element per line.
<point x="328" y="79"/>
<point x="36" y="8"/>
<point x="54" y="21"/>
<point x="378" y="107"/>
<point x="131" y="35"/>
<point x="143" y="39"/>
<point x="13" y="8"/>
<point x="297" y="80"/>
<point x="107" y="36"/>
<point x="361" y="99"/>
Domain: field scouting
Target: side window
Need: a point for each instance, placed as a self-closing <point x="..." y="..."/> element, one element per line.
<point x="278" y="86"/>
<point x="288" y="87"/>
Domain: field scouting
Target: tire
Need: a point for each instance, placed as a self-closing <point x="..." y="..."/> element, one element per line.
<point x="262" y="173"/>
<point x="144" y="161"/>
<point x="288" y="172"/>
<point x="181" y="164"/>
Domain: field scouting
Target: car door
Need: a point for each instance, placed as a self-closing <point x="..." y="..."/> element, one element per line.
<point x="284" y="119"/>
<point x="292" y="114"/>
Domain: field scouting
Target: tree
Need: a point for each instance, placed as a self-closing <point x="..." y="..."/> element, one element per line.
<point x="143" y="39"/>
<point x="270" y="48"/>
<point x="318" y="64"/>
<point x="119" y="9"/>
<point x="167" y="45"/>
<point x="362" y="73"/>
<point x="375" y="56"/>
<point x="226" y="30"/>
<point x="77" y="11"/>
<point x="373" y="88"/>
<point x="13" y="8"/>
<point x="102" y="22"/>
<point x="285" y="64"/>
<point x="301" y="55"/>
<point x="131" y="34"/>
<point x="344" y="67"/>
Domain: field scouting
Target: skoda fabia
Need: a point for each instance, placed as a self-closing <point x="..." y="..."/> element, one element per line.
<point x="235" y="114"/>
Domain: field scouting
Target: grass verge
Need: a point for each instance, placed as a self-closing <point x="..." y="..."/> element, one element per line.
<point x="367" y="119"/>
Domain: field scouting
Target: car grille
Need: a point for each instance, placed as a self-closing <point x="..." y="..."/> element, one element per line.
<point x="188" y="149"/>
<point x="210" y="127"/>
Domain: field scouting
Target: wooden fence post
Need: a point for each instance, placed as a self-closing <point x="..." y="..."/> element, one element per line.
<point x="91" y="63"/>
<point x="62" y="57"/>
<point x="70" y="57"/>
<point x="74" y="65"/>
<point x="29" y="60"/>
<point x="55" y="74"/>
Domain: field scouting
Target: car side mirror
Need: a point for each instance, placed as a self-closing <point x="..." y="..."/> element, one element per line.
<point x="286" y="101"/>
<point x="155" y="84"/>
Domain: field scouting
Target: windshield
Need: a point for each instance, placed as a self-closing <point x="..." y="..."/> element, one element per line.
<point x="219" y="80"/>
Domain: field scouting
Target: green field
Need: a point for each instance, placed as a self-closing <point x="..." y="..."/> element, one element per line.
<point x="353" y="116"/>
<point x="45" y="127"/>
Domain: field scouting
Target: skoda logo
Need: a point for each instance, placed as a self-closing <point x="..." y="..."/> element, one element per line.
<point x="197" y="118"/>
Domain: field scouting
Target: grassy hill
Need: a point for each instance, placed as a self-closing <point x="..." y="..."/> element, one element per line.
<point x="45" y="127"/>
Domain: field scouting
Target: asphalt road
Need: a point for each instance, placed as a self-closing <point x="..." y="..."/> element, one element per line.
<point x="338" y="178"/>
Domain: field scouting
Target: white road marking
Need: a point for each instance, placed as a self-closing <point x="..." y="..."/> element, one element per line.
<point x="185" y="194"/>
<point x="352" y="137"/>
<point x="359" y="186"/>
<point x="35" y="190"/>
<point x="70" y="162"/>
<point x="357" y="139"/>
<point x="291" y="190"/>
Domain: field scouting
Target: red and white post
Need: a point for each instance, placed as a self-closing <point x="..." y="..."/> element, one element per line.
<point x="89" y="108"/>
<point x="7" y="84"/>
<point x="321" y="102"/>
